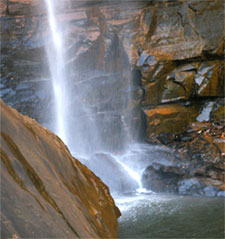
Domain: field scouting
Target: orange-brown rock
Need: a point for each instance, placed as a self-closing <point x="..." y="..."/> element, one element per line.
<point x="177" y="47"/>
<point x="200" y="153"/>
<point x="178" y="51"/>
<point x="169" y="118"/>
<point x="218" y="111"/>
<point x="211" y="136"/>
<point x="180" y="30"/>
<point x="210" y="79"/>
<point x="45" y="192"/>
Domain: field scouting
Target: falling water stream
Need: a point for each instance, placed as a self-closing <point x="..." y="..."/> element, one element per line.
<point x="56" y="57"/>
<point x="56" y="64"/>
<point x="144" y="214"/>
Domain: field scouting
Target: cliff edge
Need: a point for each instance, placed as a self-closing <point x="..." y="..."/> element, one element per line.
<point x="45" y="192"/>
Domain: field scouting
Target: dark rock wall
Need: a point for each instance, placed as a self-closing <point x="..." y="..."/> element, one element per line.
<point x="23" y="58"/>
<point x="167" y="55"/>
<point x="99" y="71"/>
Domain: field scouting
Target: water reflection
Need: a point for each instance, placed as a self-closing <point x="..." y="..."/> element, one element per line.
<point x="152" y="215"/>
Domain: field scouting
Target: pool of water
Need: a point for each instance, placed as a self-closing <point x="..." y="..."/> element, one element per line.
<point x="150" y="215"/>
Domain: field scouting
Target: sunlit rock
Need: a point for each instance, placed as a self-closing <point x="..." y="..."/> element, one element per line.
<point x="177" y="46"/>
<point x="181" y="30"/>
<point x="149" y="66"/>
<point x="45" y="192"/>
<point x="169" y="118"/>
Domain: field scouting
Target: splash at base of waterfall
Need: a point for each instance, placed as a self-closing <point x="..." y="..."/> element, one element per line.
<point x="121" y="172"/>
<point x="135" y="175"/>
<point x="143" y="190"/>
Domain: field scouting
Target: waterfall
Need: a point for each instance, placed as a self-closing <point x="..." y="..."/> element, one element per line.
<point x="99" y="120"/>
<point x="56" y="63"/>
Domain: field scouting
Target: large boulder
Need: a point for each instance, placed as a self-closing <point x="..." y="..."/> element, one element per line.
<point x="199" y="168"/>
<point x="45" y="192"/>
<point x="161" y="178"/>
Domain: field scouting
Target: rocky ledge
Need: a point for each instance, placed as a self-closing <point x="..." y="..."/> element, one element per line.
<point x="199" y="170"/>
<point x="180" y="70"/>
<point x="176" y="52"/>
<point x="45" y="192"/>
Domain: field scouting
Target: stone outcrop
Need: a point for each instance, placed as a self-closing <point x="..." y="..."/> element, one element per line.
<point x="169" y="118"/>
<point x="199" y="169"/>
<point x="179" y="53"/>
<point x="174" y="47"/>
<point x="153" y="66"/>
<point x="45" y="192"/>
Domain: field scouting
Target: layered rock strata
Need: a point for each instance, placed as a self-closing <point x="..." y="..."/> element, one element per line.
<point x="175" y="49"/>
<point x="180" y="58"/>
<point x="153" y="66"/>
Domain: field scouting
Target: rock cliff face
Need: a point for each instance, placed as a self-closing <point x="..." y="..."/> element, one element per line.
<point x="98" y="53"/>
<point x="181" y="62"/>
<point x="45" y="192"/>
<point x="153" y="66"/>
<point x="174" y="50"/>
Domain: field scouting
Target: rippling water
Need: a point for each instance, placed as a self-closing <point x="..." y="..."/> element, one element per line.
<point x="168" y="216"/>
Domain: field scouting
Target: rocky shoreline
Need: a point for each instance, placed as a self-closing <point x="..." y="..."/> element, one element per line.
<point x="200" y="155"/>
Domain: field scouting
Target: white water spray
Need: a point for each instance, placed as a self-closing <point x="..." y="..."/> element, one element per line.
<point x="135" y="175"/>
<point x="83" y="127"/>
<point x="56" y="63"/>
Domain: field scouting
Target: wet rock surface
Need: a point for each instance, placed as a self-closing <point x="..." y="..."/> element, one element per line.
<point x="163" y="60"/>
<point x="45" y="192"/>
<point x="200" y="162"/>
<point x="180" y="59"/>
<point x="98" y="65"/>
<point x="175" y="49"/>
<point x="170" y="118"/>
<point x="161" y="178"/>
<point x="182" y="76"/>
